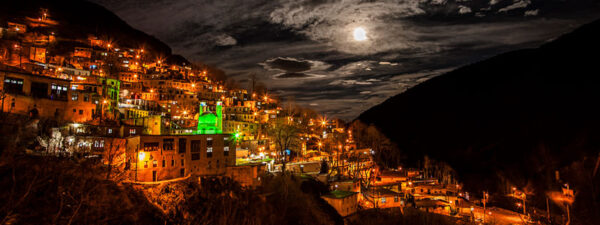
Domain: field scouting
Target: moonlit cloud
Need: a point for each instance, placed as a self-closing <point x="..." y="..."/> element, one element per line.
<point x="306" y="49"/>
<point x="532" y="12"/>
<point x="463" y="9"/>
<point x="518" y="4"/>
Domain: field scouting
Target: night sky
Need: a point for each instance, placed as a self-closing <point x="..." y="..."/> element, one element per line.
<point x="306" y="50"/>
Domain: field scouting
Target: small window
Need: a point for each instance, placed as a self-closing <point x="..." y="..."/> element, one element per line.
<point x="110" y="130"/>
<point x="181" y="162"/>
<point x="132" y="131"/>
<point x="172" y="162"/>
<point x="13" y="85"/>
<point x="155" y="163"/>
<point x="182" y="145"/>
<point x="168" y="144"/>
<point x="163" y="163"/>
<point x="150" y="146"/>
<point x="81" y="112"/>
<point x="99" y="144"/>
<point x="209" y="142"/>
<point x="195" y="146"/>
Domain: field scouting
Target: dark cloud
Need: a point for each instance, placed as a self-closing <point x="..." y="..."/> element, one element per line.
<point x="305" y="48"/>
<point x="289" y="65"/>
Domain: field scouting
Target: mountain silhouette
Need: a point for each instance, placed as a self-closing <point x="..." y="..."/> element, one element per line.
<point x="514" y="119"/>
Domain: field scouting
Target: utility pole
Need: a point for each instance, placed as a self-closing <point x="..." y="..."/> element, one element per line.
<point x="137" y="159"/>
<point x="524" y="196"/>
<point x="568" y="216"/>
<point x="485" y="198"/>
<point x="547" y="209"/>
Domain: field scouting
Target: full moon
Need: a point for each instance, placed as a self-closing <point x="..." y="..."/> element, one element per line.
<point x="360" y="34"/>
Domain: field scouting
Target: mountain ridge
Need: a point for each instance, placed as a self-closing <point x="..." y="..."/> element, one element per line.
<point x="511" y="120"/>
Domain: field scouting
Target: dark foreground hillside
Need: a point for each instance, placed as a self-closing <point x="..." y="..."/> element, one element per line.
<point x="512" y="120"/>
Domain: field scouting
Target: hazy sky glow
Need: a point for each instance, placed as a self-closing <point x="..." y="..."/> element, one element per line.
<point x="313" y="51"/>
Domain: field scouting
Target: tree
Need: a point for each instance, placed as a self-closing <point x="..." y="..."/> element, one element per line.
<point x="114" y="157"/>
<point x="387" y="153"/>
<point x="286" y="137"/>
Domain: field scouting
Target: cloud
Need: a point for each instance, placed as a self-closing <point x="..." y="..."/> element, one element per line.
<point x="517" y="4"/>
<point x="294" y="68"/>
<point x="463" y="9"/>
<point x="350" y="82"/>
<point x="225" y="40"/>
<point x="532" y="12"/>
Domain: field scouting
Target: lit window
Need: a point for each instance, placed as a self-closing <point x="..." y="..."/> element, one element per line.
<point x="110" y="130"/>
<point x="99" y="144"/>
<point x="132" y="131"/>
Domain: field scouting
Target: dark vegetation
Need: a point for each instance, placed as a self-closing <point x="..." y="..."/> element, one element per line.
<point x="394" y="216"/>
<point x="512" y="120"/>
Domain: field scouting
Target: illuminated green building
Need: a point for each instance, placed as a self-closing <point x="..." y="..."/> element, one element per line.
<point x="110" y="89"/>
<point x="208" y="122"/>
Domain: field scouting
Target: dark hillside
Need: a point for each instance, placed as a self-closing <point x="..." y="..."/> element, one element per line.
<point x="513" y="119"/>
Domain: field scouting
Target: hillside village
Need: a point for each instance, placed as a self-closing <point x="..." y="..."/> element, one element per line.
<point x="152" y="119"/>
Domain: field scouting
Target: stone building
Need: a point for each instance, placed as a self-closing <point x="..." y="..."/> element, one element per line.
<point x="164" y="157"/>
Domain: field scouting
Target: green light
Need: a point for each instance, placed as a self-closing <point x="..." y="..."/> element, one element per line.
<point x="208" y="122"/>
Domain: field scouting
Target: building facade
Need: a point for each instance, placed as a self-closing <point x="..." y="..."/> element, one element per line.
<point x="163" y="157"/>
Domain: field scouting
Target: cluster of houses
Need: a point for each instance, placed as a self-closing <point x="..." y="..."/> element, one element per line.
<point x="158" y="118"/>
